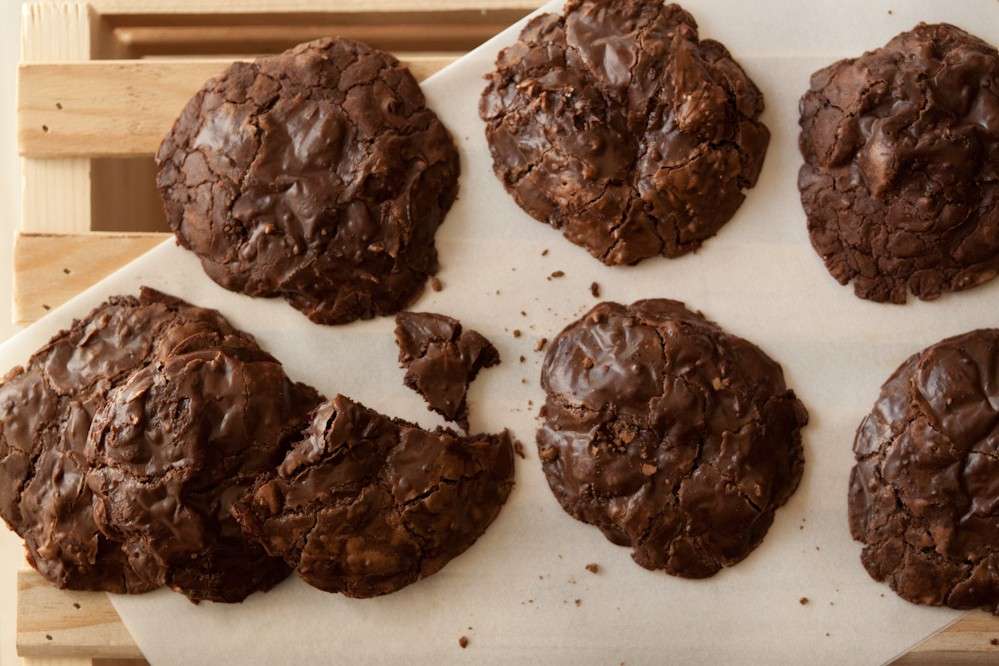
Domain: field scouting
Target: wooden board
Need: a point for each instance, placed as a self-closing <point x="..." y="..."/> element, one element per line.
<point x="99" y="83"/>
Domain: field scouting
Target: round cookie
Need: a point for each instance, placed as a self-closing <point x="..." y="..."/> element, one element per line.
<point x="901" y="175"/>
<point x="174" y="447"/>
<point x="924" y="491"/>
<point x="671" y="436"/>
<point x="365" y="505"/>
<point x="318" y="175"/>
<point x="617" y="125"/>
<point x="46" y="409"/>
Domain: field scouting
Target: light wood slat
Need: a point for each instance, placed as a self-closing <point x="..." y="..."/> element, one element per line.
<point x="966" y="642"/>
<point x="49" y="626"/>
<point x="140" y="7"/>
<point x="118" y="107"/>
<point x="41" y="262"/>
<point x="55" y="31"/>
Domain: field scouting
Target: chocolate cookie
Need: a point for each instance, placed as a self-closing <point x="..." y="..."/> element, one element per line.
<point x="173" y="448"/>
<point x="318" y="175"/>
<point x="46" y="409"/>
<point x="670" y="435"/>
<point x="616" y="124"/>
<point x="365" y="504"/>
<point x="924" y="491"/>
<point x="901" y="174"/>
<point x="441" y="360"/>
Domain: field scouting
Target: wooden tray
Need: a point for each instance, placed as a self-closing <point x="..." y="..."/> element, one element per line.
<point x="99" y="84"/>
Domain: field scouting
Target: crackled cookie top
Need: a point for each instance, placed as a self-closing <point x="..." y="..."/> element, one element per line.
<point x="441" y="360"/>
<point x="615" y="123"/>
<point x="46" y="409"/>
<point x="670" y="435"/>
<point x="901" y="176"/>
<point x="318" y="175"/>
<point x="174" y="447"/>
<point x="924" y="493"/>
<point x="366" y="504"/>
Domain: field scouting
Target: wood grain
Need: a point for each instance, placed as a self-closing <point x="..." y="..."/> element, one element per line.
<point x="118" y="107"/>
<point x="49" y="269"/>
<point x="54" y="623"/>
<point x="55" y="31"/>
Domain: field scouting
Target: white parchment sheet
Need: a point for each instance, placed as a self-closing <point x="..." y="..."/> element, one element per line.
<point x="514" y="593"/>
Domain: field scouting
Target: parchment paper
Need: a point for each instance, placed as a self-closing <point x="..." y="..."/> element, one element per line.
<point x="514" y="594"/>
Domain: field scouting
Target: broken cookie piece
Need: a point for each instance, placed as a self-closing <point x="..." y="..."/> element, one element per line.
<point x="365" y="504"/>
<point x="441" y="360"/>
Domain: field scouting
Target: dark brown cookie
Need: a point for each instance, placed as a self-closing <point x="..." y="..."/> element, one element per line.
<point x="441" y="360"/>
<point x="670" y="435"/>
<point x="616" y="124"/>
<point x="46" y="409"/>
<point x="174" y="447"/>
<point x="925" y="489"/>
<point x="901" y="174"/>
<point x="318" y="175"/>
<point x="366" y="504"/>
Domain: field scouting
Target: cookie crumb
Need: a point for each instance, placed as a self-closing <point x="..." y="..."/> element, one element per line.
<point x="994" y="641"/>
<point x="544" y="253"/>
<point x="579" y="602"/>
<point x="518" y="448"/>
<point x="48" y="637"/>
<point x="523" y="358"/>
<point x="540" y="344"/>
<point x="595" y="290"/>
<point x="803" y="601"/>
<point x="463" y="642"/>
<point x="76" y="605"/>
<point x="436" y="284"/>
<point x="47" y="308"/>
<point x="558" y="274"/>
<point x="66" y="271"/>
<point x="593" y="567"/>
<point x="516" y="333"/>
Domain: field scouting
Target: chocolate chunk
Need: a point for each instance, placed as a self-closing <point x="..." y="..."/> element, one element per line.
<point x="617" y="125"/>
<point x="317" y="175"/>
<point x="924" y="491"/>
<point x="46" y="409"/>
<point x="172" y="449"/>
<point x="901" y="147"/>
<point x="640" y="442"/>
<point x="441" y="360"/>
<point x="365" y="504"/>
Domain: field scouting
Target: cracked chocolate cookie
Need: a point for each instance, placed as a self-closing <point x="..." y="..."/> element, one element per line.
<point x="46" y="409"/>
<point x="617" y="125"/>
<point x="318" y="175"/>
<point x="366" y="504"/>
<point x="925" y="489"/>
<point x="901" y="175"/>
<point x="670" y="435"/>
<point x="441" y="360"/>
<point x="173" y="448"/>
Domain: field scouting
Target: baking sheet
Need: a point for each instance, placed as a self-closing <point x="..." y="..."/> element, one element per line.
<point x="514" y="594"/>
